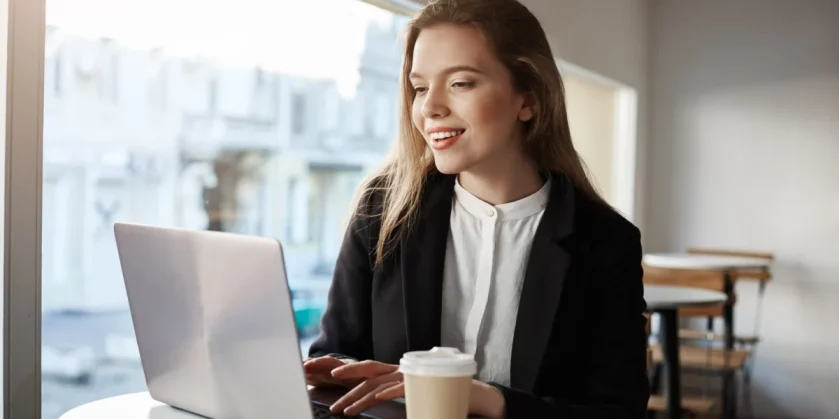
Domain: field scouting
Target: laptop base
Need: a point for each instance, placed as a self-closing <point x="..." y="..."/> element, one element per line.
<point x="322" y="398"/>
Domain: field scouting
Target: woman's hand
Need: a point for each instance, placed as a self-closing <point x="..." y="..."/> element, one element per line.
<point x="372" y="378"/>
<point x="485" y="400"/>
<point x="319" y="372"/>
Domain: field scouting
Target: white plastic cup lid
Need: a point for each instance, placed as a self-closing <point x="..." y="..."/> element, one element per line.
<point x="438" y="362"/>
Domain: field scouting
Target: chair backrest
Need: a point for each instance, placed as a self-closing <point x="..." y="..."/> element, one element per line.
<point x="697" y="278"/>
<point x="761" y="275"/>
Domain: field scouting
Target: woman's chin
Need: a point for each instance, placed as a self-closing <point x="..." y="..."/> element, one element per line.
<point x="449" y="166"/>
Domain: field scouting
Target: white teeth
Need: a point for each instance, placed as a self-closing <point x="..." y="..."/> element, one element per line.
<point x="441" y="135"/>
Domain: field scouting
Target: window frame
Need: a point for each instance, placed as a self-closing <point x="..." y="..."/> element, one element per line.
<point x="22" y="205"/>
<point x="22" y="219"/>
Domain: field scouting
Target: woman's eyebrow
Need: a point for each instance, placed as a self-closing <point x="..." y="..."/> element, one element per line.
<point x="449" y="70"/>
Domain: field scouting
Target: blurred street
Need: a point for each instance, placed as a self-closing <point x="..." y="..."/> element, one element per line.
<point x="87" y="357"/>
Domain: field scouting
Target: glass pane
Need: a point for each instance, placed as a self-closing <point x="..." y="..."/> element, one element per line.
<point x="241" y="116"/>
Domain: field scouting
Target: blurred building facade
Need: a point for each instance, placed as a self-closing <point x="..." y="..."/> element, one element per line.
<point x="142" y="136"/>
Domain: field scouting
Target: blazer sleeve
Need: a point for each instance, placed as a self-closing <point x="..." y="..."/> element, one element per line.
<point x="616" y="382"/>
<point x="346" y="324"/>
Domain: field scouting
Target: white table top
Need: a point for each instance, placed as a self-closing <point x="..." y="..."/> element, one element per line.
<point x="661" y="297"/>
<point x="129" y="406"/>
<point x="692" y="261"/>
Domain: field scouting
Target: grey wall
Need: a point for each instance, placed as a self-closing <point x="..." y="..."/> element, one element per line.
<point x="744" y="153"/>
<point x="609" y="38"/>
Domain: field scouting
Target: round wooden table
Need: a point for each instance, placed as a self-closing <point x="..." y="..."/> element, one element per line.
<point x="666" y="302"/>
<point x="710" y="262"/>
<point x="665" y="297"/>
<point x="129" y="406"/>
<point x="727" y="265"/>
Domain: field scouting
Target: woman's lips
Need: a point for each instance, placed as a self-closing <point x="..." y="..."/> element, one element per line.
<point x="444" y="143"/>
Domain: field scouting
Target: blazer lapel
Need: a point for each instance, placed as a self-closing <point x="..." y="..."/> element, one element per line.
<point x="546" y="271"/>
<point x="422" y="260"/>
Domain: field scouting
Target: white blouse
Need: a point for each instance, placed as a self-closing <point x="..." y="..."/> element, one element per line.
<point x="486" y="258"/>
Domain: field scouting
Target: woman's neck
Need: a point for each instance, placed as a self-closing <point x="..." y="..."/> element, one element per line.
<point x="502" y="183"/>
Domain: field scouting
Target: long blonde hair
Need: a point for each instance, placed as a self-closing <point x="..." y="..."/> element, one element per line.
<point x="520" y="43"/>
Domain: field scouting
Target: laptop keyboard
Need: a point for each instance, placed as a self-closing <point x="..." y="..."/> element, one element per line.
<point x="322" y="412"/>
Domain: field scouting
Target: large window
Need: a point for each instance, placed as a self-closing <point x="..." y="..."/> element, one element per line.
<point x="239" y="116"/>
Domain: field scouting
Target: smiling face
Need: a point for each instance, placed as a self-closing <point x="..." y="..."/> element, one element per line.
<point x="465" y="104"/>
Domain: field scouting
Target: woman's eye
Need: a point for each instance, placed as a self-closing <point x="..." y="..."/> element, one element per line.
<point x="419" y="89"/>
<point x="462" y="84"/>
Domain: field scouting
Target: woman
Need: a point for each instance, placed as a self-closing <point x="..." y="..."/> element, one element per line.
<point x="483" y="233"/>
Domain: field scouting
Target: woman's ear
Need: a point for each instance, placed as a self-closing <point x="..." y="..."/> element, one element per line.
<point x="528" y="108"/>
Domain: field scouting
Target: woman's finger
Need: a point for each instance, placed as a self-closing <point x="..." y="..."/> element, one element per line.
<point x="353" y="395"/>
<point x="320" y="380"/>
<point x="369" y="400"/>
<point x="362" y="390"/>
<point x="323" y="364"/>
<point x="393" y="392"/>
<point x="326" y="380"/>
<point x="363" y="369"/>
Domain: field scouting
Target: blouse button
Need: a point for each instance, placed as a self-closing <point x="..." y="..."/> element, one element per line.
<point x="491" y="213"/>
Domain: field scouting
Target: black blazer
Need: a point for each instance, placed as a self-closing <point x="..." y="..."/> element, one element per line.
<point x="579" y="348"/>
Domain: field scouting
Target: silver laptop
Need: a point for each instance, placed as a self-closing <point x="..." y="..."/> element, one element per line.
<point x="214" y="324"/>
<point x="213" y="320"/>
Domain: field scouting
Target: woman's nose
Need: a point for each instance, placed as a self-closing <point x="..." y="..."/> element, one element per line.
<point x="435" y="105"/>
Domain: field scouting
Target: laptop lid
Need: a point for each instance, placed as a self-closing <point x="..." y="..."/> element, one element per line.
<point x="214" y="322"/>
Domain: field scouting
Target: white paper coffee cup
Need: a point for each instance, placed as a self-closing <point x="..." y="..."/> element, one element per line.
<point x="437" y="383"/>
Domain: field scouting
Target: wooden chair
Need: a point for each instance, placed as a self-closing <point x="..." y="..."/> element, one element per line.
<point x="762" y="276"/>
<point x="705" y="279"/>
<point x="706" y="359"/>
<point x="693" y="407"/>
